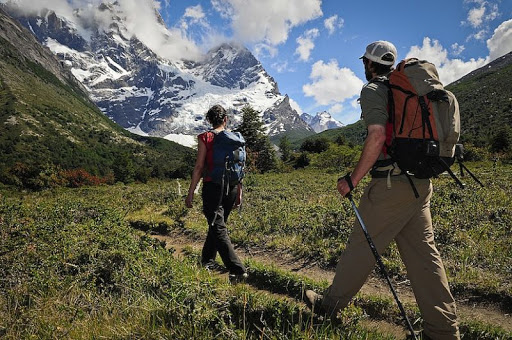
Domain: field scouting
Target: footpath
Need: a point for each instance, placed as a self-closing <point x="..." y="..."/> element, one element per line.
<point x="469" y="308"/>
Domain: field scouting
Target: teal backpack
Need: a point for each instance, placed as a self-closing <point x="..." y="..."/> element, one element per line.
<point x="228" y="158"/>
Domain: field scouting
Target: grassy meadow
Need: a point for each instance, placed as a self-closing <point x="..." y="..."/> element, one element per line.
<point x="80" y="263"/>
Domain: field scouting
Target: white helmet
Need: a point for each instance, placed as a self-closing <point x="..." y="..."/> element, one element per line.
<point x="382" y="52"/>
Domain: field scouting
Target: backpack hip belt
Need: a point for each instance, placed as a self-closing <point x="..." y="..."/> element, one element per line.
<point x="385" y="171"/>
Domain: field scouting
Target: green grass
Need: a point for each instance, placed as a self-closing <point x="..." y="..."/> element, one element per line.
<point x="73" y="266"/>
<point x="301" y="213"/>
<point x="279" y="281"/>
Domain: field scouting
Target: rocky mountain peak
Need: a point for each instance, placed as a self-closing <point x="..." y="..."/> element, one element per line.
<point x="321" y="121"/>
<point x="151" y="95"/>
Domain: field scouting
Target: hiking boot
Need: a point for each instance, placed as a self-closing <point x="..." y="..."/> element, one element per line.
<point x="211" y="265"/>
<point x="237" y="278"/>
<point x="314" y="301"/>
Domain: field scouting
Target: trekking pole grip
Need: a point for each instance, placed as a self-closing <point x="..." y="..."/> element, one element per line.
<point x="348" y="179"/>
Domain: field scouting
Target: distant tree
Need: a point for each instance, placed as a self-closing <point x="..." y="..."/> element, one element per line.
<point x="258" y="145"/>
<point x="266" y="160"/>
<point x="143" y="173"/>
<point x="123" y="168"/>
<point x="285" y="147"/>
<point x="316" y="145"/>
<point x="251" y="127"/>
<point x="341" y="140"/>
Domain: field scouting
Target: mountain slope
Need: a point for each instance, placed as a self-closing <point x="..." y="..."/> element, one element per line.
<point x="353" y="134"/>
<point x="148" y="94"/>
<point x="46" y="119"/>
<point x="485" y="100"/>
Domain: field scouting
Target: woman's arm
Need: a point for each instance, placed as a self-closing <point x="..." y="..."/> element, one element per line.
<point x="197" y="172"/>
<point x="238" y="200"/>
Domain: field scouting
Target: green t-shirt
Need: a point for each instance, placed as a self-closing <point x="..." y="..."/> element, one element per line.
<point x="374" y="102"/>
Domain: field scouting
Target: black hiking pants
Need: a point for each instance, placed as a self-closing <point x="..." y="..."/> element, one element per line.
<point x="217" y="210"/>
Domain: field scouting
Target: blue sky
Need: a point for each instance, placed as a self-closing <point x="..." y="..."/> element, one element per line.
<point x="312" y="47"/>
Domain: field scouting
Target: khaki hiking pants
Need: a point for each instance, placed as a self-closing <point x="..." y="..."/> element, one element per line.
<point x="395" y="214"/>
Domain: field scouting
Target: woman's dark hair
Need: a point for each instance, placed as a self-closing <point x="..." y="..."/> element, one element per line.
<point x="216" y="115"/>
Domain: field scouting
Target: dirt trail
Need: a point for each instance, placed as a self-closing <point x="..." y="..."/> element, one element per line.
<point x="373" y="286"/>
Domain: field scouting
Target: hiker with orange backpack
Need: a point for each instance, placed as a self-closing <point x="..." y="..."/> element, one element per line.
<point x="220" y="161"/>
<point x="394" y="206"/>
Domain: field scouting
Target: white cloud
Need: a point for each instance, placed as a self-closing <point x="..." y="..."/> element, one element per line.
<point x="142" y="22"/>
<point x="476" y="16"/>
<point x="331" y="84"/>
<point x="61" y="7"/>
<point x="333" y="23"/>
<point x="306" y="44"/>
<point x="480" y="35"/>
<point x="266" y="21"/>
<point x="223" y="8"/>
<point x="140" y="18"/>
<point x="296" y="106"/>
<point x="452" y="69"/>
<point x="282" y="67"/>
<point x="457" y="49"/>
<point x="493" y="12"/>
<point x="262" y="49"/>
<point x="194" y="12"/>
<point x="193" y="15"/>
<point x="449" y="69"/>
<point x="501" y="42"/>
<point x="336" y="108"/>
<point x="483" y="14"/>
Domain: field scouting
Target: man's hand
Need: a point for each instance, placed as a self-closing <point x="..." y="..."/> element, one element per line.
<point x="344" y="187"/>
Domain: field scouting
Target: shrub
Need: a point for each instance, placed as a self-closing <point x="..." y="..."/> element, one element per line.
<point x="336" y="157"/>
<point x="473" y="153"/>
<point x="302" y="161"/>
<point x="502" y="140"/>
<point x="315" y="145"/>
<point x="79" y="177"/>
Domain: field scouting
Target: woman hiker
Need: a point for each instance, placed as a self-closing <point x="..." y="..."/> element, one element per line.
<point x="217" y="202"/>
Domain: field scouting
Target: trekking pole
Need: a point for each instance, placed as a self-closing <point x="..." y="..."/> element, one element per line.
<point x="381" y="265"/>
<point x="462" y="166"/>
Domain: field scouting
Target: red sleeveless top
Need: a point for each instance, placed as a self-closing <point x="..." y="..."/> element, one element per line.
<point x="207" y="139"/>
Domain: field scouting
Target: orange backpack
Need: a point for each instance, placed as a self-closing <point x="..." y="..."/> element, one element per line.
<point x="424" y="120"/>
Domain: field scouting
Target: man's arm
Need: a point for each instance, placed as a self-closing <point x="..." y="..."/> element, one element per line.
<point x="371" y="151"/>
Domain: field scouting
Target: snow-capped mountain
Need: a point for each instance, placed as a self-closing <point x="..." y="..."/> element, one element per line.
<point x="149" y="94"/>
<point x="321" y="121"/>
